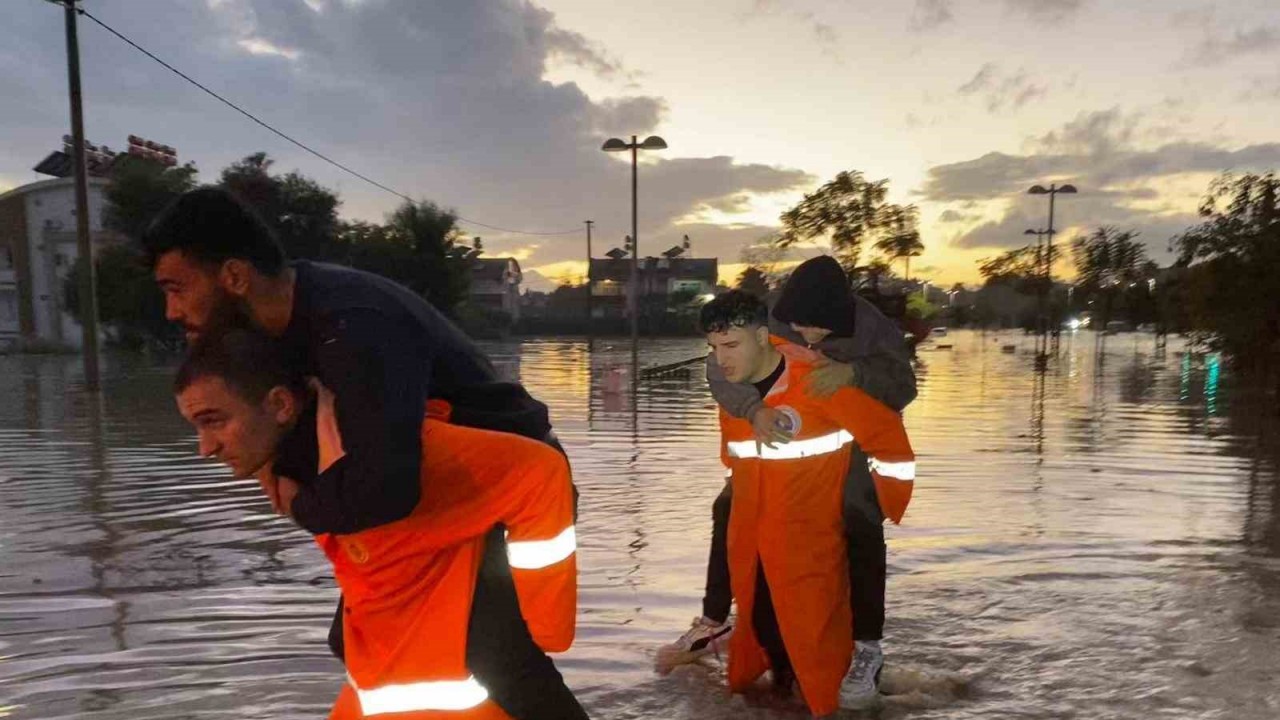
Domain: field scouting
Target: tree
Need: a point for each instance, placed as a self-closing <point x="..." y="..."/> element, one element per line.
<point x="1022" y="269"/>
<point x="128" y="300"/>
<point x="753" y="280"/>
<point x="139" y="189"/>
<point x="1109" y="263"/>
<point x="302" y="213"/>
<point x="1231" y="259"/>
<point x="443" y="270"/>
<point x="850" y="209"/>
<point x="903" y="239"/>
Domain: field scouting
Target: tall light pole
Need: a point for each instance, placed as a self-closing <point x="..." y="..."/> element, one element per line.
<point x="653" y="142"/>
<point x="88" y="282"/>
<point x="1052" y="191"/>
<point x="589" y="223"/>
<point x="1042" y="269"/>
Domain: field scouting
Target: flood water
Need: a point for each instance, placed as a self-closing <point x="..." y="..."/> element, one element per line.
<point x="1099" y="542"/>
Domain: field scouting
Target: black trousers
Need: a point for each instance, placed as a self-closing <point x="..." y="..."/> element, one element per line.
<point x="501" y="653"/>
<point x="864" y="536"/>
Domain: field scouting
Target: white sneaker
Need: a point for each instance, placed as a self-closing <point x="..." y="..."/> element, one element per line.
<point x="703" y="636"/>
<point x="861" y="685"/>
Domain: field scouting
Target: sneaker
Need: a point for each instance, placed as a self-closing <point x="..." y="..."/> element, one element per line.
<point x="861" y="685"/>
<point x="702" y="637"/>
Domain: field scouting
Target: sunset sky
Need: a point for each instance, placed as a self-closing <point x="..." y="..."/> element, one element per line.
<point x="498" y="108"/>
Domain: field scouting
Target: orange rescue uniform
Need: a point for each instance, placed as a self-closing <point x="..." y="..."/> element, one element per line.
<point x="409" y="584"/>
<point x="786" y="515"/>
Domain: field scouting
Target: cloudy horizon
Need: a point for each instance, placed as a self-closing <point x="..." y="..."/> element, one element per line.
<point x="497" y="108"/>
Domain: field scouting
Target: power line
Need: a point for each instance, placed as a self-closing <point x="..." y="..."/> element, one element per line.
<point x="305" y="147"/>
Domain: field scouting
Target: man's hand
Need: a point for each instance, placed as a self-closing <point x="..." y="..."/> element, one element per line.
<point x="829" y="376"/>
<point x="327" y="434"/>
<point x="764" y="423"/>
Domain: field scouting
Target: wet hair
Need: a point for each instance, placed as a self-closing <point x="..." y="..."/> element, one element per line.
<point x="248" y="361"/>
<point x="211" y="226"/>
<point x="735" y="308"/>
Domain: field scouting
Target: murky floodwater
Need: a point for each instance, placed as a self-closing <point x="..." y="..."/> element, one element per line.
<point x="1102" y="543"/>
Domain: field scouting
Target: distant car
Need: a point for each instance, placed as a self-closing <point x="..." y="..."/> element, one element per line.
<point x="1147" y="328"/>
<point x="938" y="332"/>
<point x="1117" y="326"/>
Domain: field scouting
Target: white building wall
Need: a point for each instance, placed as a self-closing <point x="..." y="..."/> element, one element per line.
<point x="51" y="228"/>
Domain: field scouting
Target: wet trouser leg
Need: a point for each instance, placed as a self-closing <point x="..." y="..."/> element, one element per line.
<point x="502" y="655"/>
<point x="765" y="621"/>
<point x="719" y="596"/>
<point x="868" y="555"/>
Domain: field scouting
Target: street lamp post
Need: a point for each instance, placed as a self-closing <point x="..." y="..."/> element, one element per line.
<point x="1042" y="265"/>
<point x="589" y="223"/>
<point x="653" y="142"/>
<point x="1052" y="191"/>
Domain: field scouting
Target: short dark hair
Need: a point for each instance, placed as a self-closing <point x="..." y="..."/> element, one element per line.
<point x="211" y="225"/>
<point x="735" y="308"/>
<point x="248" y="361"/>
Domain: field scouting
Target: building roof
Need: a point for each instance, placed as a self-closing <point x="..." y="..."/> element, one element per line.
<point x="693" y="268"/>
<point x="50" y="184"/>
<point x="494" y="269"/>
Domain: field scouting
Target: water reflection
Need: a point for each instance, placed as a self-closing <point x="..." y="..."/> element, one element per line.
<point x="1099" y="539"/>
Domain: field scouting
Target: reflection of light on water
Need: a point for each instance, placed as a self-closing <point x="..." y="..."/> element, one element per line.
<point x="1213" y="371"/>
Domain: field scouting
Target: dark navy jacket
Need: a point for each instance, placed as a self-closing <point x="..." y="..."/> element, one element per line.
<point x="383" y="351"/>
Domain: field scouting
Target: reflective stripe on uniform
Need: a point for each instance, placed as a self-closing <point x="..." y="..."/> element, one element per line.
<point x="896" y="470"/>
<point x="793" y="450"/>
<point x="419" y="696"/>
<point x="536" y="554"/>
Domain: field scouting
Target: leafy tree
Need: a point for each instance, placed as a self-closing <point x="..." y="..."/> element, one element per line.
<point x="1232" y="261"/>
<point x="303" y="214"/>
<point x="754" y="281"/>
<point x="1110" y="264"/>
<point x="139" y="190"/>
<point x="850" y="210"/>
<point x="903" y="236"/>
<point x="128" y="299"/>
<point x="1021" y="268"/>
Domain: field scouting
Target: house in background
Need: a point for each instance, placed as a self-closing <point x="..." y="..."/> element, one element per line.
<point x="38" y="244"/>
<point x="495" y="285"/>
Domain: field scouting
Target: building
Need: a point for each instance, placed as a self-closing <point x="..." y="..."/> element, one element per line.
<point x="495" y="285"/>
<point x="38" y="249"/>
<point x="38" y="244"/>
<point x="663" y="281"/>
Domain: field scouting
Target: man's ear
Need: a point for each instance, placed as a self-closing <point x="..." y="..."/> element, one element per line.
<point x="282" y="404"/>
<point x="762" y="335"/>
<point x="235" y="277"/>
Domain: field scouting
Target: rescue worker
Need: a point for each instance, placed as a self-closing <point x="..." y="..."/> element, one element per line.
<point x="860" y="348"/>
<point x="382" y="349"/>
<point x="786" y="545"/>
<point x="412" y="587"/>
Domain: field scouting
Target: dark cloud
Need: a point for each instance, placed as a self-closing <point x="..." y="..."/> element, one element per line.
<point x="930" y="14"/>
<point x="955" y="216"/>
<point x="1092" y="152"/>
<point x="1045" y="11"/>
<point x="1001" y="91"/>
<point x="1216" y="50"/>
<point x="442" y="100"/>
<point x="1095" y="152"/>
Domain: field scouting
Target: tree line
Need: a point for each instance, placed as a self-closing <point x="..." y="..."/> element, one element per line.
<point x="419" y="245"/>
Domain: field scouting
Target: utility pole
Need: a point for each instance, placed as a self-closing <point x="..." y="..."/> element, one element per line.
<point x="88" y="279"/>
<point x="590" y="318"/>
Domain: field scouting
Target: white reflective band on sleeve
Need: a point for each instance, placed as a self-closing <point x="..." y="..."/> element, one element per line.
<point x="895" y="470"/>
<point x="728" y="472"/>
<point x="535" y="554"/>
<point x="419" y="696"/>
<point x="793" y="450"/>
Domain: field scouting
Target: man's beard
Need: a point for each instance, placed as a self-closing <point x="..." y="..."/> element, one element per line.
<point x="228" y="313"/>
